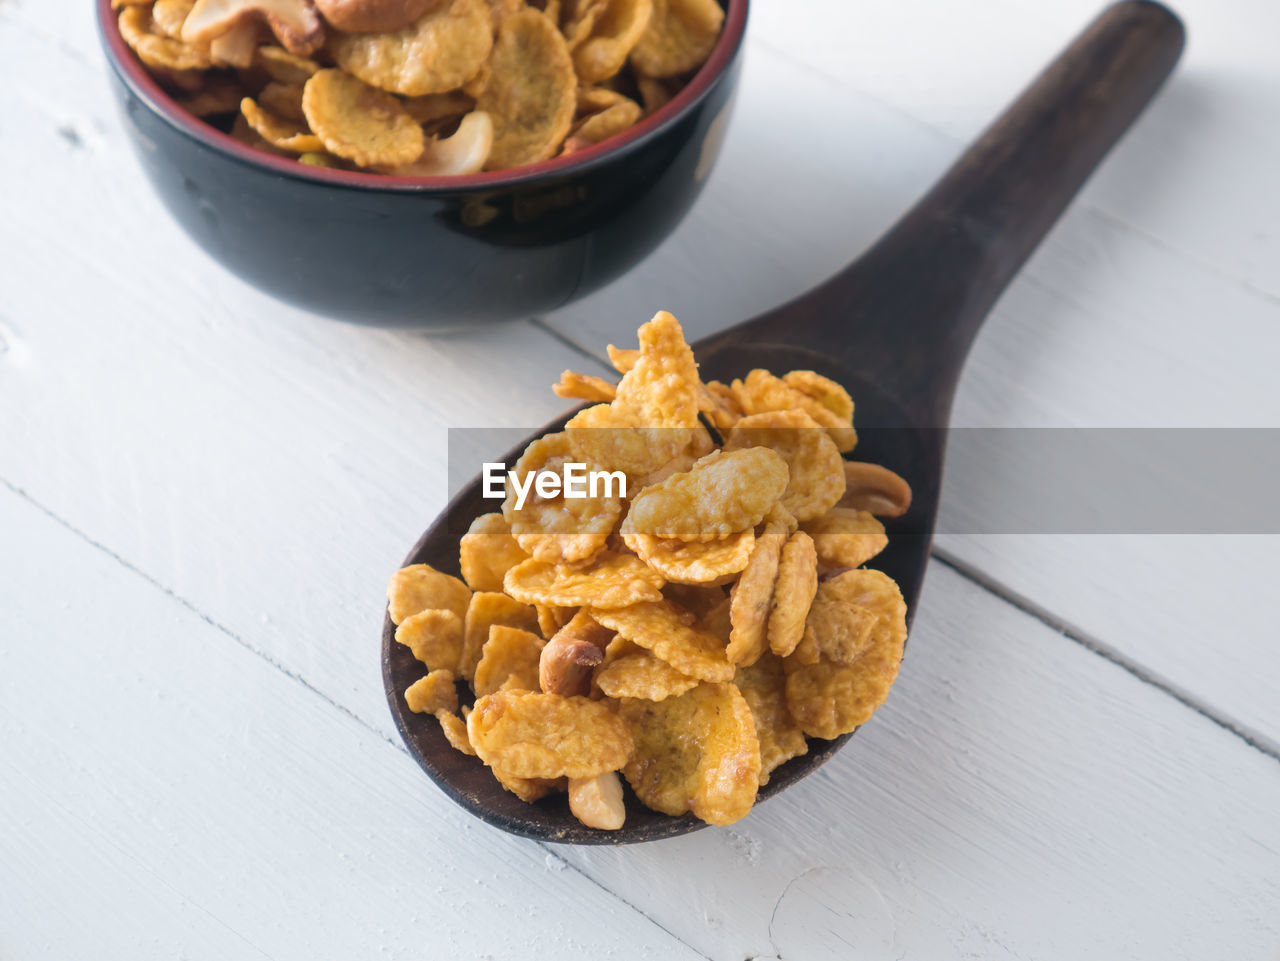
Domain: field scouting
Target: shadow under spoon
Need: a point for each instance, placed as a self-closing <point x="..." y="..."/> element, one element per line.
<point x="894" y="328"/>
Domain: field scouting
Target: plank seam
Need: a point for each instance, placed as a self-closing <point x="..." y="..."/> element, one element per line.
<point x="221" y="628"/>
<point x="292" y="675"/>
<point x="541" y="324"/>
<point x="1071" y="632"/>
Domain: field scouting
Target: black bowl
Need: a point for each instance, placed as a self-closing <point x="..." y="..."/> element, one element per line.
<point x="430" y="252"/>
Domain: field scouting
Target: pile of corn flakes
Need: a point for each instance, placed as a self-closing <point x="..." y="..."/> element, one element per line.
<point x="691" y="634"/>
<point x="422" y="87"/>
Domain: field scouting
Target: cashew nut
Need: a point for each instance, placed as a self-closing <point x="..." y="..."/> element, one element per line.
<point x="597" y="801"/>
<point x="374" y="16"/>
<point x="236" y="47"/>
<point x="463" y="153"/>
<point x="875" y="489"/>
<point x="566" y="662"/>
<point x="295" y="23"/>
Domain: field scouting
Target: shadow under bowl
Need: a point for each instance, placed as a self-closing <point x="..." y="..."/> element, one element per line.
<point x="417" y="252"/>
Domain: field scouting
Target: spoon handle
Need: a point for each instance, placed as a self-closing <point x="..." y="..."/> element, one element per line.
<point x="921" y="293"/>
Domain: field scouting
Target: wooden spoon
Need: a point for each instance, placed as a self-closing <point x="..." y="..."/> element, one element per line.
<point x="894" y="327"/>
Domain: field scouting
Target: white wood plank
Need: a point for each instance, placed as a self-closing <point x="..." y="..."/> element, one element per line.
<point x="1198" y="164"/>
<point x="1018" y="797"/>
<point x="168" y="793"/>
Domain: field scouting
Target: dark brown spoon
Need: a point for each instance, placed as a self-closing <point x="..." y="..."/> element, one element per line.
<point x="894" y="327"/>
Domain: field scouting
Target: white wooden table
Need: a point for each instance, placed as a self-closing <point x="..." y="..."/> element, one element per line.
<point x="202" y="493"/>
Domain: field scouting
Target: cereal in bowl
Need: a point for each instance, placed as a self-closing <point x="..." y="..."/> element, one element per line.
<point x="422" y="87"/>
<point x="685" y="632"/>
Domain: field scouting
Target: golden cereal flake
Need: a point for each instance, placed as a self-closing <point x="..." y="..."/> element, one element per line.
<point x="609" y="581"/>
<point x="629" y="670"/>
<point x="679" y="37"/>
<point x="455" y="732"/>
<point x="486" y="609"/>
<point x="829" y="699"/>
<point x="509" y="659"/>
<point x="846" y="538"/>
<point x="761" y="391"/>
<point x="695" y="752"/>
<point x="764" y="685"/>
<point x="531" y="92"/>
<point x="660" y="627"/>
<point x="359" y="122"/>
<point x="487" y="552"/>
<point x="615" y="31"/>
<point x="693" y="562"/>
<point x="439" y="52"/>
<point x="280" y="131"/>
<point x="420" y="587"/>
<point x="432" y="693"/>
<point x="722" y="494"/>
<point x="559" y="529"/>
<point x="847" y="611"/>
<point x="816" y="468"/>
<point x="534" y="735"/>
<point x="434" y="636"/>
<point x="752" y="596"/>
<point x="575" y="386"/>
<point x="155" y="50"/>
<point x="793" y="593"/>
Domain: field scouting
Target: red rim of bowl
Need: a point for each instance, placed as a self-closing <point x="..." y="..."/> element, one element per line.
<point x="161" y="103"/>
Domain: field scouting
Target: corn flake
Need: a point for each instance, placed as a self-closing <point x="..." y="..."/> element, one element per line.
<point x="793" y="593"/>
<point x="434" y="636"/>
<point x="455" y="732"/>
<point x="285" y="67"/>
<point x="439" y="52"/>
<point x="615" y="31"/>
<point x="846" y="538"/>
<point x="629" y="670"/>
<point x="533" y="735"/>
<point x="752" y="596"/>
<point x="359" y="122"/>
<point x="575" y="386"/>
<point x="764" y="685"/>
<point x="679" y="36"/>
<point x="433" y="693"/>
<point x="531" y="91"/>
<point x="420" y="587"/>
<point x="693" y="562"/>
<point x="608" y="122"/>
<point x="489" y="608"/>
<point x="829" y="699"/>
<point x="722" y="494"/>
<point x="816" y="480"/>
<point x="660" y="628"/>
<point x="509" y="655"/>
<point x="279" y="131"/>
<point x="696" y="752"/>
<point x="155" y="50"/>
<point x="558" y="529"/>
<point x="487" y="551"/>
<point x="609" y="581"/>
<point x="761" y="392"/>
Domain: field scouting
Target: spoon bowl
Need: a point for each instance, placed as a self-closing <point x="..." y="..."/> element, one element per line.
<point x="894" y="328"/>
